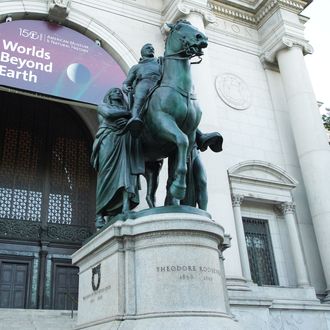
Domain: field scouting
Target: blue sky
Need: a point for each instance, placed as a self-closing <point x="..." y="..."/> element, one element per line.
<point x="318" y="33"/>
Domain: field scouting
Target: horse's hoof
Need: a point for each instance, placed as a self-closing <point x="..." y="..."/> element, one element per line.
<point x="178" y="192"/>
<point x="99" y="222"/>
<point x="151" y="202"/>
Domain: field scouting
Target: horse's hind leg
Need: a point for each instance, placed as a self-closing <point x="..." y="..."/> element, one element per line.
<point x="167" y="129"/>
<point x="151" y="174"/>
<point x="170" y="200"/>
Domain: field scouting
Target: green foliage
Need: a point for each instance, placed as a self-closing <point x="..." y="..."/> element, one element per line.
<point x="326" y="121"/>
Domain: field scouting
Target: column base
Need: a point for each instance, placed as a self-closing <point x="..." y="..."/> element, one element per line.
<point x="238" y="284"/>
<point x="326" y="299"/>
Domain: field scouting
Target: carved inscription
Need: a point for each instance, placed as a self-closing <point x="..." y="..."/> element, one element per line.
<point x="97" y="294"/>
<point x="190" y="272"/>
<point x="236" y="29"/>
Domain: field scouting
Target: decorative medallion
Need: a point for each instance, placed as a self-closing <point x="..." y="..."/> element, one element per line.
<point x="96" y="272"/>
<point x="233" y="91"/>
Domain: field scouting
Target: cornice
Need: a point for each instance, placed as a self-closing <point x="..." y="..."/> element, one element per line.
<point x="253" y="15"/>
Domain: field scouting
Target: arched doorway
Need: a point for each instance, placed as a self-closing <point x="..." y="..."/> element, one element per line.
<point x="47" y="190"/>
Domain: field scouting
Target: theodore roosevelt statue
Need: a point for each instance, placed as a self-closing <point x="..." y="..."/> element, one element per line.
<point x="140" y="79"/>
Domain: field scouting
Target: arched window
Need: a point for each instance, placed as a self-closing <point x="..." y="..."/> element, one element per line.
<point x="46" y="181"/>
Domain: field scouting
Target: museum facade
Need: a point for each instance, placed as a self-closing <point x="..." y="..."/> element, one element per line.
<point x="268" y="188"/>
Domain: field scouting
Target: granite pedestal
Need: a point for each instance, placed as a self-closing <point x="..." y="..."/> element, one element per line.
<point x="158" y="271"/>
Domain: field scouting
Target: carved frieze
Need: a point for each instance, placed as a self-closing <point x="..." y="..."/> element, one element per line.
<point x="35" y="231"/>
<point x="24" y="230"/>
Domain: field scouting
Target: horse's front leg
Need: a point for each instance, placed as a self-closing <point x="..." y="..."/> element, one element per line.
<point x="167" y="129"/>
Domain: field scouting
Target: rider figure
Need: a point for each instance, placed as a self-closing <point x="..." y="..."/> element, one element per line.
<point x="140" y="79"/>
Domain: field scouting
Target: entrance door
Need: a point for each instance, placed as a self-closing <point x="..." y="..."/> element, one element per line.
<point x="13" y="284"/>
<point x="66" y="287"/>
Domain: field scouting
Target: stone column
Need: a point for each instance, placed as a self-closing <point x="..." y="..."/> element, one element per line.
<point x="288" y="210"/>
<point x="243" y="253"/>
<point x="310" y="139"/>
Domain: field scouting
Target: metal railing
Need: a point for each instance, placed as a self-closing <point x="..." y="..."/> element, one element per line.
<point x="73" y="301"/>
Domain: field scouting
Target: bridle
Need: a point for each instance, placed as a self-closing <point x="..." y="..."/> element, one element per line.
<point x="187" y="50"/>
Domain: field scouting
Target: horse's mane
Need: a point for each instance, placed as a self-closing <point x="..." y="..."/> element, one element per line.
<point x="172" y="26"/>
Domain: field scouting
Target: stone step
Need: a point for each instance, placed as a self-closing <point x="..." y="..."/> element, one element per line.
<point x="36" y="319"/>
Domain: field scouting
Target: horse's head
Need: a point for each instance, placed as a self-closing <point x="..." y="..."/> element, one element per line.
<point x="185" y="40"/>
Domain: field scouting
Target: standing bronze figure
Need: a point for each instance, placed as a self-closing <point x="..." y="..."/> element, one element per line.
<point x="117" y="158"/>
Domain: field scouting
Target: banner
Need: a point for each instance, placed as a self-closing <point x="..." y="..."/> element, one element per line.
<point x="51" y="59"/>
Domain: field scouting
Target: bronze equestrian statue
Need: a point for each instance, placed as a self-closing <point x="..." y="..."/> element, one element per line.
<point x="166" y="121"/>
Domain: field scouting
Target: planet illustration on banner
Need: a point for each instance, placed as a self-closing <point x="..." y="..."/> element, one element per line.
<point x="78" y="73"/>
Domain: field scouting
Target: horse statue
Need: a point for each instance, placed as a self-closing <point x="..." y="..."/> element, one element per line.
<point x="173" y="113"/>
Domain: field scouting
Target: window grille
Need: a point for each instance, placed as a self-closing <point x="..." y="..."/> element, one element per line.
<point x="260" y="252"/>
<point x="45" y="175"/>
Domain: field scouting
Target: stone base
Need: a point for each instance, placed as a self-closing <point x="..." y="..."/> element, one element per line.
<point x="157" y="271"/>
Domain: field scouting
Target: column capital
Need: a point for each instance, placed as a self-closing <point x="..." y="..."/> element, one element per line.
<point x="270" y="52"/>
<point x="184" y="8"/>
<point x="237" y="200"/>
<point x="287" y="208"/>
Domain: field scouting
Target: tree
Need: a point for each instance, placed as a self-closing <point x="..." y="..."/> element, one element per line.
<point x="326" y="121"/>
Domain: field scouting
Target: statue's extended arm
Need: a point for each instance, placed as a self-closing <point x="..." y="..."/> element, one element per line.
<point x="112" y="113"/>
<point x="129" y="81"/>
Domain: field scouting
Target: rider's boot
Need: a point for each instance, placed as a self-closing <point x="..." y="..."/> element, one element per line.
<point x="213" y="140"/>
<point x="135" y="124"/>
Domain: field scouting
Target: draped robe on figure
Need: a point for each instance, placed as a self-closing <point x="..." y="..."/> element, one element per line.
<point x="118" y="160"/>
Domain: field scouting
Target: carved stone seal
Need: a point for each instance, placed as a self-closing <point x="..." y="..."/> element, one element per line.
<point x="96" y="273"/>
<point x="233" y="91"/>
